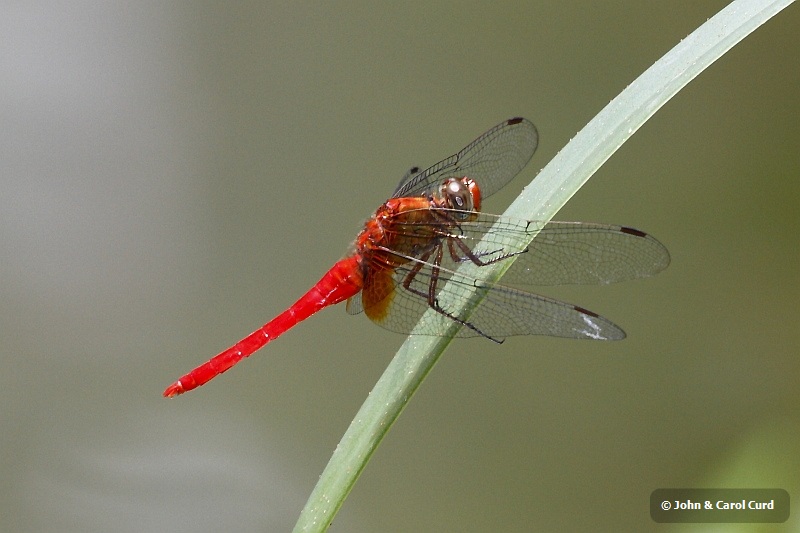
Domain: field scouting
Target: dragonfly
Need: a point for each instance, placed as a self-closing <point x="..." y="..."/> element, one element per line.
<point x="406" y="260"/>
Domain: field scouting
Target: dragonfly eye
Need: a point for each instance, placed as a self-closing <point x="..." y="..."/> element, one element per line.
<point x="457" y="195"/>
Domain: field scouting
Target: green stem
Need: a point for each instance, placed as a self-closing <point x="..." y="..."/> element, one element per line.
<point x="552" y="188"/>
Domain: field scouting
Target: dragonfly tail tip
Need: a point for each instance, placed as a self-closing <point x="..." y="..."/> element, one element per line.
<point x="174" y="390"/>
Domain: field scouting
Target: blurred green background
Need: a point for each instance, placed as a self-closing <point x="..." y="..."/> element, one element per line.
<point x="175" y="174"/>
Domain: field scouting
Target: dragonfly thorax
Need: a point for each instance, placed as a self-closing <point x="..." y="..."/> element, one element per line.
<point x="460" y="194"/>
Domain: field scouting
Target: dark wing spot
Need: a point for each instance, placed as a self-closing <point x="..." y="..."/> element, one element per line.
<point x="632" y="231"/>
<point x="586" y="312"/>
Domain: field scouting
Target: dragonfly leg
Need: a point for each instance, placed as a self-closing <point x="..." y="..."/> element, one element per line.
<point x="476" y="257"/>
<point x="430" y="296"/>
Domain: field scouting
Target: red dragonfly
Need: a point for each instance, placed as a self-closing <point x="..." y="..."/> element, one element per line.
<point x="407" y="256"/>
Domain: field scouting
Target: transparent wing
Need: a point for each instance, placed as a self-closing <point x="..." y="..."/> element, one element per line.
<point x="492" y="160"/>
<point x="354" y="305"/>
<point x="581" y="253"/>
<point x="503" y="312"/>
<point x="562" y="252"/>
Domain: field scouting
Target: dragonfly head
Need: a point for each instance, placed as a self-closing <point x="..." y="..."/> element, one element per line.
<point x="462" y="195"/>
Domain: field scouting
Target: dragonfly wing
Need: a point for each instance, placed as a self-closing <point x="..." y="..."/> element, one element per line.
<point x="584" y="253"/>
<point x="492" y="159"/>
<point x="503" y="312"/>
<point x="354" y="305"/>
<point x="410" y="173"/>
<point x="561" y="253"/>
